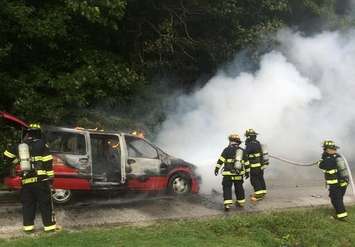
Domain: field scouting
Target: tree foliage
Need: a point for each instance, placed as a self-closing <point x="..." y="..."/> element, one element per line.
<point x="74" y="62"/>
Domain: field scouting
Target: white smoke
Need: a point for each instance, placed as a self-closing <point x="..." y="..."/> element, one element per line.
<point x="302" y="93"/>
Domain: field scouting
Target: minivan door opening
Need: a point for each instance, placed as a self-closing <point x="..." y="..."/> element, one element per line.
<point x="106" y="158"/>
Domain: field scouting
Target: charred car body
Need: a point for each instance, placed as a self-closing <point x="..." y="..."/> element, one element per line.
<point x="90" y="160"/>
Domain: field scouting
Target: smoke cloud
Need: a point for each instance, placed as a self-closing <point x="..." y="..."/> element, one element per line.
<point x="302" y="93"/>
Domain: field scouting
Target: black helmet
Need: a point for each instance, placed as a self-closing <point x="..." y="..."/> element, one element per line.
<point x="329" y="144"/>
<point x="33" y="132"/>
<point x="250" y="132"/>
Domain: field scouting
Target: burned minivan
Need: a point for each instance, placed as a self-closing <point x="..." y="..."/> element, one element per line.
<point x="92" y="160"/>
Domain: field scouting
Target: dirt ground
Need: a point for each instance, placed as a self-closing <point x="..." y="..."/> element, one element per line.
<point x="142" y="209"/>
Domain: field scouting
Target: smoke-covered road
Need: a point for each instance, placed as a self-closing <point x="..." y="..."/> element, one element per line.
<point x="141" y="209"/>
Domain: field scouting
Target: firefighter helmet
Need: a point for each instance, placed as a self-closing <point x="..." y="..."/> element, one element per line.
<point x="33" y="131"/>
<point x="329" y="144"/>
<point x="250" y="132"/>
<point x="234" y="138"/>
<point x="34" y="126"/>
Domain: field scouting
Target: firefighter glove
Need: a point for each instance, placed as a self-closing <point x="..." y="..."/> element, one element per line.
<point x="216" y="171"/>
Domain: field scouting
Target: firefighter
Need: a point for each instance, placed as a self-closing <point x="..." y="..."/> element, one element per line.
<point x="258" y="161"/>
<point x="36" y="175"/>
<point x="336" y="177"/>
<point x="232" y="160"/>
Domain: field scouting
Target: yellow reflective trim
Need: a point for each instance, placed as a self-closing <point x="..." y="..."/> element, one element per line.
<point x="230" y="160"/>
<point x="222" y="159"/>
<point x="255" y="165"/>
<point x="342" y="184"/>
<point x="8" y="154"/>
<point x="29" y="180"/>
<point x="47" y="158"/>
<point x="49" y="228"/>
<point x="28" y="228"/>
<point x="227" y="173"/>
<point x="247" y="170"/>
<point x="15" y="161"/>
<point x="35" y="126"/>
<point x="241" y="201"/>
<point x="342" y="215"/>
<point x="36" y="158"/>
<point x="218" y="166"/>
<point x="228" y="202"/>
<point x="254" y="155"/>
<point x="260" y="192"/>
<point x="50" y="173"/>
<point x="237" y="178"/>
<point x="42" y="158"/>
<point x="330" y="171"/>
<point x="332" y="181"/>
<point x="41" y="172"/>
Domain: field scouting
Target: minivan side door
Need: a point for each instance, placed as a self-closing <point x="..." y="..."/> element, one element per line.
<point x="72" y="146"/>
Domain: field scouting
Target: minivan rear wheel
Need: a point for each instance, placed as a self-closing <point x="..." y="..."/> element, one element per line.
<point x="61" y="196"/>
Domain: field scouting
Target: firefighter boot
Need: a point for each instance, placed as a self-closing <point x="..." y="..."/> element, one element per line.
<point x="254" y="198"/>
<point x="226" y="207"/>
<point x="240" y="203"/>
<point x="55" y="229"/>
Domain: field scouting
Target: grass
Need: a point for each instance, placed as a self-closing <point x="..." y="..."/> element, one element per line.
<point x="298" y="227"/>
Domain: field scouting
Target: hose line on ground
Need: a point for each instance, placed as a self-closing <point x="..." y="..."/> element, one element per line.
<point x="308" y="164"/>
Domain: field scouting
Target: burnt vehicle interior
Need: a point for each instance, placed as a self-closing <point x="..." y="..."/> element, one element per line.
<point x="106" y="158"/>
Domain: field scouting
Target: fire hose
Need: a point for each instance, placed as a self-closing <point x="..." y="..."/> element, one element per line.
<point x="295" y="163"/>
<point x="313" y="163"/>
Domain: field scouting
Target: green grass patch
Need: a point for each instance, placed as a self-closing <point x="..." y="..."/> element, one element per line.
<point x="299" y="227"/>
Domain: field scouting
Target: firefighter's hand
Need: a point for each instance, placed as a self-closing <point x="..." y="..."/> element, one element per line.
<point x="216" y="171"/>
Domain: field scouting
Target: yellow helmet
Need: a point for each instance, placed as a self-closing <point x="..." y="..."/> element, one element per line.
<point x="234" y="138"/>
<point x="329" y="144"/>
<point x="250" y="132"/>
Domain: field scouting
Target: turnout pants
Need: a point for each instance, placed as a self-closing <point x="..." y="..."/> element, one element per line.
<point x="258" y="182"/>
<point x="336" y="194"/>
<point x="33" y="195"/>
<point x="227" y="183"/>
